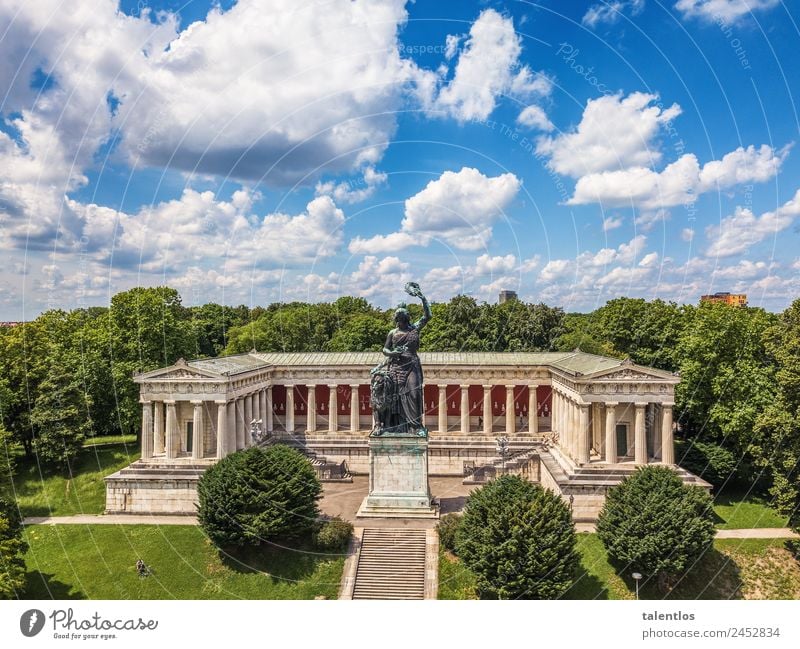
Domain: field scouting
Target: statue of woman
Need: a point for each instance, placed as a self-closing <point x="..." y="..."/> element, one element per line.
<point x="401" y="410"/>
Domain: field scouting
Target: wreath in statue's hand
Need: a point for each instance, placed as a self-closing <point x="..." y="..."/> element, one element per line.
<point x="412" y="288"/>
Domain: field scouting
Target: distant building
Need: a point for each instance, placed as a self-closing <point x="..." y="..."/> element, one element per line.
<point x="732" y="299"/>
<point x="10" y="324"/>
<point x="506" y="296"/>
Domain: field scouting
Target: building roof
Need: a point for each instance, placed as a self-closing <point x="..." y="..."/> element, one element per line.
<point x="576" y="363"/>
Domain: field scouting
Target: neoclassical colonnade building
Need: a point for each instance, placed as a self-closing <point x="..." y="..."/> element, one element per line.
<point x="576" y="422"/>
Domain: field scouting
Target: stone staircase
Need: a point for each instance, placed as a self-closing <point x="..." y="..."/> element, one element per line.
<point x="391" y="564"/>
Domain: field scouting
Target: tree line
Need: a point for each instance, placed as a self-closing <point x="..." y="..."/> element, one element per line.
<point x="66" y="375"/>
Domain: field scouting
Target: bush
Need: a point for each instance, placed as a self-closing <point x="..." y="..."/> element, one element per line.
<point x="12" y="548"/>
<point x="333" y="534"/>
<point x="712" y="462"/>
<point x="518" y="539"/>
<point x="654" y="524"/>
<point x="258" y="495"/>
<point x="447" y="529"/>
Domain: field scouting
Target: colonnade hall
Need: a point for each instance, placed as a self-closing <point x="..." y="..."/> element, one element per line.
<point x="575" y="422"/>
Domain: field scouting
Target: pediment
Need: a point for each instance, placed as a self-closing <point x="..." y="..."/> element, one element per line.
<point x="628" y="371"/>
<point x="180" y="371"/>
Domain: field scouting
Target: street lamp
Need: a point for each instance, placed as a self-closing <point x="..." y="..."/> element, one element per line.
<point x="636" y="577"/>
<point x="502" y="450"/>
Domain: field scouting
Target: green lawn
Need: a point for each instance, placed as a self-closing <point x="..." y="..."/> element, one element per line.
<point x="41" y="491"/>
<point x="742" y="510"/>
<point x="110" y="439"/>
<point x="99" y="562"/>
<point x="733" y="569"/>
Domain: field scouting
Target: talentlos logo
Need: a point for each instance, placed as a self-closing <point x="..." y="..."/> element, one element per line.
<point x="31" y="622"/>
<point x="67" y="626"/>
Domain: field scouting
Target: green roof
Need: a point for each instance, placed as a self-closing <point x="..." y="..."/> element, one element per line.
<point x="577" y="363"/>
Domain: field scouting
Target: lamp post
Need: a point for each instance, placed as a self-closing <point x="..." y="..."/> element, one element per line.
<point x="636" y="577"/>
<point x="502" y="450"/>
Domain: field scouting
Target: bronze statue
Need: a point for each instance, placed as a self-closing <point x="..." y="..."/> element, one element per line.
<point x="396" y="387"/>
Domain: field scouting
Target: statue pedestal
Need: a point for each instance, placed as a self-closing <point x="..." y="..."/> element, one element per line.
<point x="398" y="478"/>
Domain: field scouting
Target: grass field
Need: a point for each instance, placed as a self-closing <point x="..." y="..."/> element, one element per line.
<point x="41" y="491"/>
<point x="742" y="510"/>
<point x="109" y="439"/>
<point x="99" y="562"/>
<point x="733" y="569"/>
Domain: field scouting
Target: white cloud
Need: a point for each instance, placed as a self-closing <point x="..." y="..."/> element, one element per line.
<point x="487" y="68"/>
<point x="736" y="233"/>
<point x="610" y="12"/>
<point x="353" y="191"/>
<point x="680" y="182"/>
<point x="687" y="234"/>
<point x="745" y="269"/>
<point x="487" y="265"/>
<point x="612" y="223"/>
<point x="646" y="220"/>
<point x="649" y="260"/>
<point x="615" y="132"/>
<point x="458" y="208"/>
<point x="535" y="117"/>
<point x="722" y="10"/>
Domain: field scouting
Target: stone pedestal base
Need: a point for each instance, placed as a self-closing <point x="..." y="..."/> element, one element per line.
<point x="398" y="479"/>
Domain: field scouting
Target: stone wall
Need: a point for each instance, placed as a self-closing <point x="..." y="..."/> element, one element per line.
<point x="148" y="496"/>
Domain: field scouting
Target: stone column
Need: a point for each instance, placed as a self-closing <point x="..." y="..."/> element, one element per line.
<point x="197" y="430"/>
<point x="511" y="420"/>
<point x="270" y="423"/>
<point x="147" y="430"/>
<point x="231" y="417"/>
<point x="533" y="409"/>
<point x="262" y="408"/>
<point x="640" y="437"/>
<point x="333" y="409"/>
<point x="572" y="426"/>
<point x="222" y="429"/>
<point x="241" y="426"/>
<point x="311" y="415"/>
<point x="172" y="430"/>
<point x="354" y="425"/>
<point x="443" y="408"/>
<point x="248" y="417"/>
<point x="289" y="408"/>
<point x="611" y="432"/>
<point x="487" y="409"/>
<point x="465" y="409"/>
<point x="158" y="428"/>
<point x="256" y="408"/>
<point x="667" y="441"/>
<point x="583" y="434"/>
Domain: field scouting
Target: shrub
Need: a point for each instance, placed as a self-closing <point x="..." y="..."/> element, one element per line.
<point x="518" y="539"/>
<point x="12" y="547"/>
<point x="710" y="461"/>
<point x="333" y="534"/>
<point x="257" y="495"/>
<point x="447" y="528"/>
<point x="654" y="524"/>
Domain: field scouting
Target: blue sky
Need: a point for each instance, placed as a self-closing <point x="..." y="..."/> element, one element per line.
<point x="247" y="152"/>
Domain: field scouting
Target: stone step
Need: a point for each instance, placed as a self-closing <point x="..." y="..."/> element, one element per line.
<point x="391" y="564"/>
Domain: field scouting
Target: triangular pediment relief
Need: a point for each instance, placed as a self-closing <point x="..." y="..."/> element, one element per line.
<point x="628" y="371"/>
<point x="181" y="370"/>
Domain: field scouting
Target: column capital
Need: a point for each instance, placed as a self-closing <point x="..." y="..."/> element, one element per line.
<point x="583" y="406"/>
<point x="486" y="388"/>
<point x="145" y="401"/>
<point x="611" y="404"/>
<point x="464" y="386"/>
<point x="333" y="386"/>
<point x="196" y="402"/>
<point x="533" y="385"/>
<point x="221" y="402"/>
<point x="441" y="386"/>
<point x="311" y="386"/>
<point x="170" y="402"/>
<point x="510" y="387"/>
<point x="355" y="385"/>
<point x="641" y="404"/>
<point x="667" y="405"/>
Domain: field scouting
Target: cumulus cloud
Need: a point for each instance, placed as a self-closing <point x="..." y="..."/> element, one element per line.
<point x="722" y="10"/>
<point x="679" y="182"/>
<point x="353" y="191"/>
<point x="612" y="223"/>
<point x="487" y="68"/>
<point x="615" y="132"/>
<point x="458" y="208"/>
<point x="535" y="117"/>
<point x="736" y="233"/>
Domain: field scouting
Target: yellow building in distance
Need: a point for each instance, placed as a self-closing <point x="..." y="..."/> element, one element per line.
<point x="731" y="299"/>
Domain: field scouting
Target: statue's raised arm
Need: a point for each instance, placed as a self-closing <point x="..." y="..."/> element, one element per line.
<point x="413" y="289"/>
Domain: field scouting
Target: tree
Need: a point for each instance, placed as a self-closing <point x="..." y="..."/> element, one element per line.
<point x="360" y="333"/>
<point x="59" y="418"/>
<point x="258" y="495"/>
<point x="518" y="539"/>
<point x="654" y="524"/>
<point x="776" y="442"/>
<point x="12" y="549"/>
